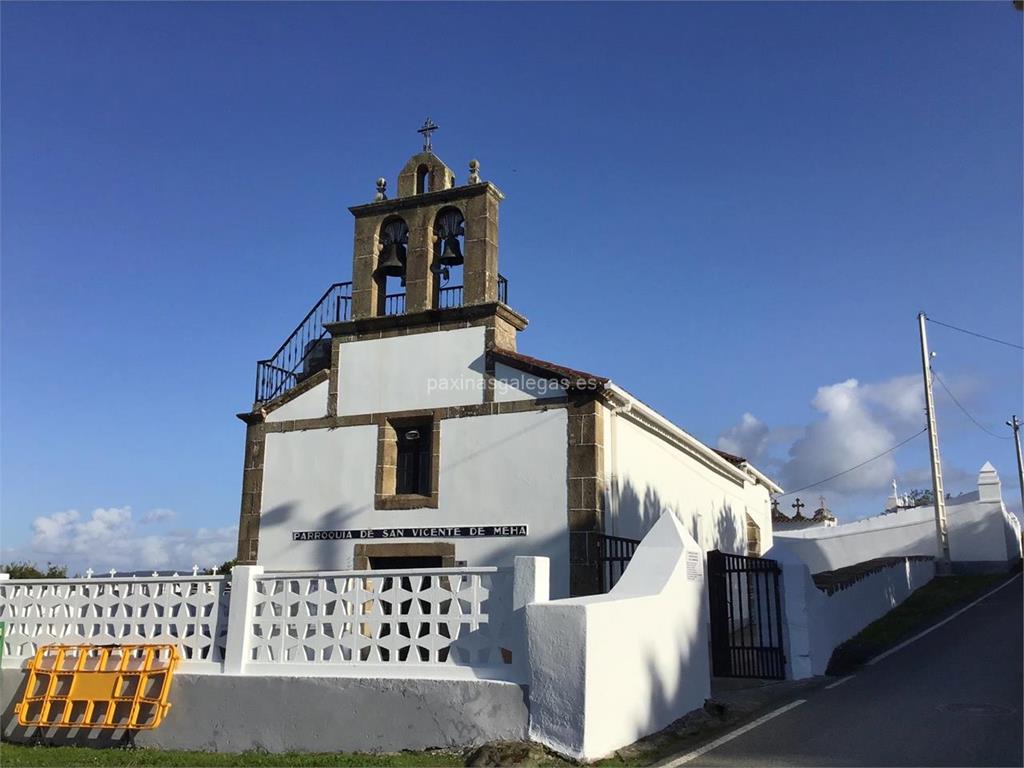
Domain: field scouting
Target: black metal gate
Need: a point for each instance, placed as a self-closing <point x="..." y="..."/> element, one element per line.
<point x="746" y="617"/>
<point x="598" y="560"/>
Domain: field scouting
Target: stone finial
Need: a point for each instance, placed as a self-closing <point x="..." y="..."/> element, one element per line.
<point x="89" y="572"/>
<point x="112" y="572"/>
<point x="195" y="570"/>
<point x="382" y="187"/>
<point x="474" y="171"/>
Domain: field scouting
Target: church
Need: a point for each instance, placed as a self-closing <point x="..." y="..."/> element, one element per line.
<point x="399" y="426"/>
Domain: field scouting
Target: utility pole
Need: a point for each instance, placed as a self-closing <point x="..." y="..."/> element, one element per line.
<point x="941" y="533"/>
<point x="1015" y="424"/>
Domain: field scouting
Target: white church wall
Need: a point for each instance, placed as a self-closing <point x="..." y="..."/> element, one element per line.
<point x="647" y="475"/>
<point x="316" y="479"/>
<point x="502" y="469"/>
<point x="509" y="469"/>
<point x="816" y="623"/>
<point x="511" y="385"/>
<point x="311" y="404"/>
<point x="425" y="370"/>
<point x="609" y="669"/>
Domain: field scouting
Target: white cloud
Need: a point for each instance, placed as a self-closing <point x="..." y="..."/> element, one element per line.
<point x="857" y="421"/>
<point x="856" y="425"/>
<point x="748" y="438"/>
<point x="158" y="515"/>
<point x="108" y="538"/>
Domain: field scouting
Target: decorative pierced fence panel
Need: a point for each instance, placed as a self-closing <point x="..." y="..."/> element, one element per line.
<point x="444" y="616"/>
<point x="190" y="612"/>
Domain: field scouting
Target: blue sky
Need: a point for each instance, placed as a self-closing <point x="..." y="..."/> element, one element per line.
<point x="729" y="209"/>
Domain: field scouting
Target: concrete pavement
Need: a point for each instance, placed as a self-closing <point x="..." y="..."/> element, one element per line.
<point x="953" y="697"/>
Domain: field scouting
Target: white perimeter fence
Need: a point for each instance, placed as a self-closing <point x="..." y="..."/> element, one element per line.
<point x="442" y="622"/>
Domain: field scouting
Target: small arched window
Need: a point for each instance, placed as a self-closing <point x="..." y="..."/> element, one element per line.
<point x="422" y="179"/>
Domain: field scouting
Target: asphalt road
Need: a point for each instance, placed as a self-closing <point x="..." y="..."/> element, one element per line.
<point x="954" y="697"/>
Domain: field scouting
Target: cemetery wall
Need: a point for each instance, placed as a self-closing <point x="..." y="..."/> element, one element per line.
<point x="983" y="535"/>
<point x="816" y="622"/>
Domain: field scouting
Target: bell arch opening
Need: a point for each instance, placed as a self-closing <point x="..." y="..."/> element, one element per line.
<point x="392" y="258"/>
<point x="448" y="257"/>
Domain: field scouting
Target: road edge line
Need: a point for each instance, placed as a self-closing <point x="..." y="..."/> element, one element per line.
<point x="731" y="735"/>
<point x="839" y="682"/>
<point x="946" y="620"/>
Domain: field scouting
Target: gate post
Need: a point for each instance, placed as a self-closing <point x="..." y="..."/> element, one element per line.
<point x="796" y="634"/>
<point x="718" y="615"/>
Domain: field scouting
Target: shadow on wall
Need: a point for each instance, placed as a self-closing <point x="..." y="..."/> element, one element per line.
<point x="665" y="692"/>
<point x="82" y="737"/>
<point x="636" y="515"/>
<point x="729" y="536"/>
<point x="325" y="552"/>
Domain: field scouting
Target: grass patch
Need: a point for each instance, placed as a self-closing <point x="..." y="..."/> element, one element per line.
<point x="18" y="755"/>
<point x="937" y="599"/>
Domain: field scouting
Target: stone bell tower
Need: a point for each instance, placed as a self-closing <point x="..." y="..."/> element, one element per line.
<point x="422" y="234"/>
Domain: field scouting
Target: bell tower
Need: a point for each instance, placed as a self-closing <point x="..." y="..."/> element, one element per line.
<point x="409" y="249"/>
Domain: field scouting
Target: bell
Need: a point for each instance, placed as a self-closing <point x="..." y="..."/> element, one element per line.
<point x="451" y="254"/>
<point x="392" y="261"/>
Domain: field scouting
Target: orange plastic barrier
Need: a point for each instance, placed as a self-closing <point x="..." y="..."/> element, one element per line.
<point x="98" y="686"/>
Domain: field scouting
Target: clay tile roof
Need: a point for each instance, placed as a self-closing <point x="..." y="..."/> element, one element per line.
<point x="731" y="458"/>
<point x="545" y="369"/>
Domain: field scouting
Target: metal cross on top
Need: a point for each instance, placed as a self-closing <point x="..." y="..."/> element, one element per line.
<point x="428" y="128"/>
<point x="798" y="505"/>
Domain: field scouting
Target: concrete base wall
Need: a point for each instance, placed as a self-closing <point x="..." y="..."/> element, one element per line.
<point x="223" y="713"/>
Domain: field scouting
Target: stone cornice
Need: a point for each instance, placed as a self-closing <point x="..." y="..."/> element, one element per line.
<point x="384" y="207"/>
<point x="431" y="317"/>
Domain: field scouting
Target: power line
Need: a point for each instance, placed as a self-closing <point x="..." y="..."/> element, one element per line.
<point x="858" y="466"/>
<point x="973" y="333"/>
<point x="967" y="413"/>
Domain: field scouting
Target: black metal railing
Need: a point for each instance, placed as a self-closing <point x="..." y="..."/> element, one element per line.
<point x="449" y="296"/>
<point x="308" y="349"/>
<point x="394" y="304"/>
<point x="599" y="559"/>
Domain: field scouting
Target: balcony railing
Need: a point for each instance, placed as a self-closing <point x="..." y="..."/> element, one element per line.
<point x="449" y="296"/>
<point x="394" y="304"/>
<point x="308" y="349"/>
